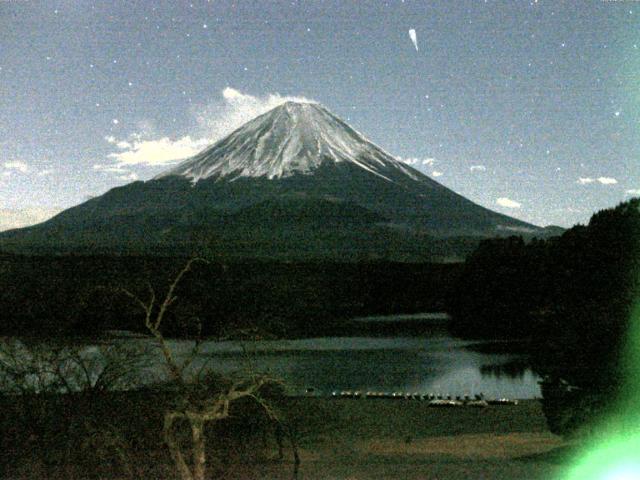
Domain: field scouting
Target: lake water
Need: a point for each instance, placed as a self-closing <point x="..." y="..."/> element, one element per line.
<point x="438" y="364"/>
<point x="435" y="363"/>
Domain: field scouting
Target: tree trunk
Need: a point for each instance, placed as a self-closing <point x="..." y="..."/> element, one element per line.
<point x="198" y="446"/>
<point x="174" y="448"/>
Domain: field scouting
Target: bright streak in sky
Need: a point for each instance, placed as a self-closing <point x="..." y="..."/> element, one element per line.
<point x="414" y="38"/>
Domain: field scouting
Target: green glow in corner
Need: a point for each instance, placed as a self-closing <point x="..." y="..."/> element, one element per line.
<point x="615" y="454"/>
<point x="617" y="459"/>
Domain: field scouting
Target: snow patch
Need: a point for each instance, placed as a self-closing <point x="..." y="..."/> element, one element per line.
<point x="294" y="137"/>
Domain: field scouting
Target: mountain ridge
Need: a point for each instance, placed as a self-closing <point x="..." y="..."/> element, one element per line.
<point x="293" y="170"/>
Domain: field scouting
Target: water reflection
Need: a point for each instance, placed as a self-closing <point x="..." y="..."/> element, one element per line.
<point x="515" y="369"/>
<point x="438" y="365"/>
<point x="432" y="364"/>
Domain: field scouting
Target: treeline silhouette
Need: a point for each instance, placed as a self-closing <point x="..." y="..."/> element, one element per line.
<point x="68" y="295"/>
<point x="571" y="296"/>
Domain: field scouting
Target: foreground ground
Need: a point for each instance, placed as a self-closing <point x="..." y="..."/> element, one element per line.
<point x="338" y="439"/>
<point x="364" y="439"/>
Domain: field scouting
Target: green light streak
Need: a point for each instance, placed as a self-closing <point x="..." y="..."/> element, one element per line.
<point x="614" y="459"/>
<point x="614" y="452"/>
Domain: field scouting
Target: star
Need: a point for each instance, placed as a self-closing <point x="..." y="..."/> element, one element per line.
<point x="130" y="84"/>
<point x="115" y="121"/>
<point x="617" y="114"/>
<point x="204" y="25"/>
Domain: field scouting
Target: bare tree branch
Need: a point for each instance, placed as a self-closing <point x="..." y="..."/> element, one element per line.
<point x="197" y="411"/>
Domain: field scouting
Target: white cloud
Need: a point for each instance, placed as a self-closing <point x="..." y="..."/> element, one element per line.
<point x="214" y="122"/>
<point x="477" y="168"/>
<point x="417" y="161"/>
<point x="607" y="180"/>
<point x="436" y="173"/>
<point x="408" y="161"/>
<point x="633" y="191"/>
<point x="23" y="218"/>
<point x="17" y="165"/>
<point x="508" y="203"/>
<point x="162" y="151"/>
<point x="129" y="177"/>
<point x="22" y="167"/>
<point x="222" y="117"/>
<point x="602" y="180"/>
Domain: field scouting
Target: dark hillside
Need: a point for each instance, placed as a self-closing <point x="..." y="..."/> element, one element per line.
<point x="79" y="294"/>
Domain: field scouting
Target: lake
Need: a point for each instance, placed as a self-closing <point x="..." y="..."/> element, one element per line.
<point x="434" y="363"/>
<point x="438" y="364"/>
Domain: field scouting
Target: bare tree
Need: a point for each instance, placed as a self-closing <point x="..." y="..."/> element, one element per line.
<point x="62" y="369"/>
<point x="41" y="378"/>
<point x="197" y="410"/>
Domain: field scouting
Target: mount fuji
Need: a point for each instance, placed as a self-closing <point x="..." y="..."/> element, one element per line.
<point x="294" y="183"/>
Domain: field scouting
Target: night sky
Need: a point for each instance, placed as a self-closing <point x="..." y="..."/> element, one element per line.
<point x="529" y="108"/>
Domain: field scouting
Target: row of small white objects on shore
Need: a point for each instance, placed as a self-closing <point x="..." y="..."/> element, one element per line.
<point x="434" y="400"/>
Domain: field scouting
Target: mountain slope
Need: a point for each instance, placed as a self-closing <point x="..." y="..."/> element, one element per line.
<point x="296" y="182"/>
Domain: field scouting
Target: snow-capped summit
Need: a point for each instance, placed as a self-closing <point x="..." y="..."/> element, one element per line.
<point x="294" y="183"/>
<point x="292" y="138"/>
